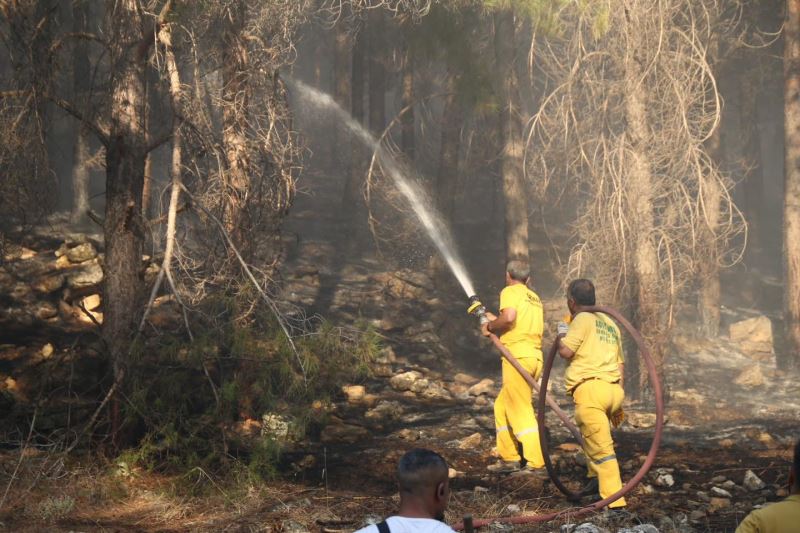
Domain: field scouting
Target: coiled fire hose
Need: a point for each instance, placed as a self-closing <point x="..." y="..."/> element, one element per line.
<point x="573" y="512"/>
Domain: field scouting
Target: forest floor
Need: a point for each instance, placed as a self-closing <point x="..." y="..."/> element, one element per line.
<point x="719" y="427"/>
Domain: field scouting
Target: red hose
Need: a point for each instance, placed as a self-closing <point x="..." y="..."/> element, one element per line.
<point x="574" y="512"/>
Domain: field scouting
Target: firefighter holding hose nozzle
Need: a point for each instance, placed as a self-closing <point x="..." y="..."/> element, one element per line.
<point x="592" y="345"/>
<point x="520" y="327"/>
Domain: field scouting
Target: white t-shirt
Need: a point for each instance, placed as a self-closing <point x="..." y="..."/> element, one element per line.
<point x="400" y="524"/>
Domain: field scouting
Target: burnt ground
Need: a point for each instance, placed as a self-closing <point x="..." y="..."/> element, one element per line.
<point x="718" y="428"/>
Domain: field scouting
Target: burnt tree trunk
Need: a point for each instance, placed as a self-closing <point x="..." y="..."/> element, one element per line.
<point x="125" y="156"/>
<point x="376" y="71"/>
<point x="791" y="205"/>
<point x="639" y="184"/>
<point x="235" y="99"/>
<point x="352" y="202"/>
<point x="80" y="86"/>
<point x="514" y="196"/>
<point x="407" y="123"/>
<point x="343" y="45"/>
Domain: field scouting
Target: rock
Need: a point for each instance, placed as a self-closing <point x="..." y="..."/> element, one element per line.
<point x="639" y="528"/>
<point x="752" y="482"/>
<point x="586" y="527"/>
<point x="471" y="442"/>
<point x="385" y="410"/>
<point x="722" y="493"/>
<point x="644" y="487"/>
<point x="728" y="485"/>
<point x="91" y="302"/>
<point x="418" y="328"/>
<point x="419" y="386"/>
<point x="47" y="350"/>
<point x="345" y="433"/>
<point x="781" y="492"/>
<point x="458" y="391"/>
<point x="478" y="489"/>
<point x="290" y="526"/>
<point x="87" y="276"/>
<point x="404" y="381"/>
<point x="48" y="284"/>
<point x="719" y="479"/>
<point x="62" y="262"/>
<point x="44" y="310"/>
<point x="664" y="480"/>
<point x="750" y="377"/>
<point x="410" y="435"/>
<point x="465" y="379"/>
<point x="435" y="391"/>
<point x="274" y="426"/>
<point x="484" y="386"/>
<point x="82" y="252"/>
<point x="513" y="508"/>
<point x="703" y="496"/>
<point x="481" y="401"/>
<point x="640" y="420"/>
<point x="569" y="447"/>
<point x="718" y="503"/>
<point x="354" y="393"/>
<point x="754" y="337"/>
<point x="382" y="371"/>
<point x="697" y="515"/>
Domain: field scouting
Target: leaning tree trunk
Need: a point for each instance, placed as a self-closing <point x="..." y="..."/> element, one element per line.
<point x="235" y="99"/>
<point x="515" y="198"/>
<point x="80" y="84"/>
<point x="639" y="191"/>
<point x="125" y="155"/>
<point x="791" y="202"/>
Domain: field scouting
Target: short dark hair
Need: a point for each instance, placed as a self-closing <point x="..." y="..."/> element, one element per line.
<point x="581" y="291"/>
<point x="518" y="270"/>
<point x="420" y="469"/>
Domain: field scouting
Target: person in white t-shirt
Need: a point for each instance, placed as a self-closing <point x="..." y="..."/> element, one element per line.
<point x="422" y="477"/>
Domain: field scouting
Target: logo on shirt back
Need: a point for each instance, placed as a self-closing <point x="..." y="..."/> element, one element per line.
<point x="606" y="332"/>
<point x="533" y="299"/>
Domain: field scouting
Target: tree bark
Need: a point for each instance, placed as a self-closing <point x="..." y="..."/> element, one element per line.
<point x="515" y="198"/>
<point x="710" y="293"/>
<point x="125" y="155"/>
<point x="639" y="186"/>
<point x="80" y="85"/>
<point x="235" y="99"/>
<point x="450" y="146"/>
<point x="791" y="205"/>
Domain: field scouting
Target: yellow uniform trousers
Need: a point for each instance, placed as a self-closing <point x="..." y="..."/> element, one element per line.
<point x="595" y="402"/>
<point x="513" y="415"/>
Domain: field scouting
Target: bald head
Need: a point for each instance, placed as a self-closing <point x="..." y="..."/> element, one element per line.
<point x="420" y="471"/>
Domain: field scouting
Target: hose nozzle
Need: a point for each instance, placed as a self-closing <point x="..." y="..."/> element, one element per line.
<point x="477" y="309"/>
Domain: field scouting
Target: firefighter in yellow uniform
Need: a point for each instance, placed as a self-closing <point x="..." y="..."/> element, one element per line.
<point x="593" y="346"/>
<point x="520" y="327"/>
<point x="780" y="517"/>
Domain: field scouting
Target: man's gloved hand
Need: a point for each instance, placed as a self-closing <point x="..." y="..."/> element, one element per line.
<point x="562" y="328"/>
<point x="618" y="418"/>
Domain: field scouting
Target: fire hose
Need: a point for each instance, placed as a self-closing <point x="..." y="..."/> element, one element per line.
<point x="573" y="512"/>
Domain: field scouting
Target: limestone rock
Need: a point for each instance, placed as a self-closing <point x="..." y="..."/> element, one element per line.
<point x="91" y="302"/>
<point x="471" y="442"/>
<point x="47" y="350"/>
<point x="754" y="337"/>
<point x="435" y="391"/>
<point x="719" y="503"/>
<point x="665" y="480"/>
<point x="586" y="527"/>
<point x="385" y="410"/>
<point x="345" y="433"/>
<point x="752" y="482"/>
<point x="45" y="310"/>
<point x="721" y="493"/>
<point x="354" y="393"/>
<point x="640" y="528"/>
<point x="87" y="276"/>
<point x="751" y="377"/>
<point x="418" y="386"/>
<point x="410" y="435"/>
<point x="382" y="371"/>
<point x="274" y="426"/>
<point x="82" y="252"/>
<point x="640" y="420"/>
<point x="465" y="379"/>
<point x="458" y="390"/>
<point x="404" y="381"/>
<point x="48" y="284"/>
<point x="483" y="387"/>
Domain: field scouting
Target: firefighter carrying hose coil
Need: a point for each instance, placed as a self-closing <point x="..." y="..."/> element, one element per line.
<point x="592" y="345"/>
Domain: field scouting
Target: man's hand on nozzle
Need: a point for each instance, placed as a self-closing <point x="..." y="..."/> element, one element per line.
<point x="485" y="329"/>
<point x="562" y="328"/>
<point x="492" y="317"/>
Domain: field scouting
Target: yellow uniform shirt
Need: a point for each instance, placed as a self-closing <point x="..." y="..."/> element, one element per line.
<point x="781" y="517"/>
<point x="597" y="344"/>
<point x="524" y="339"/>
